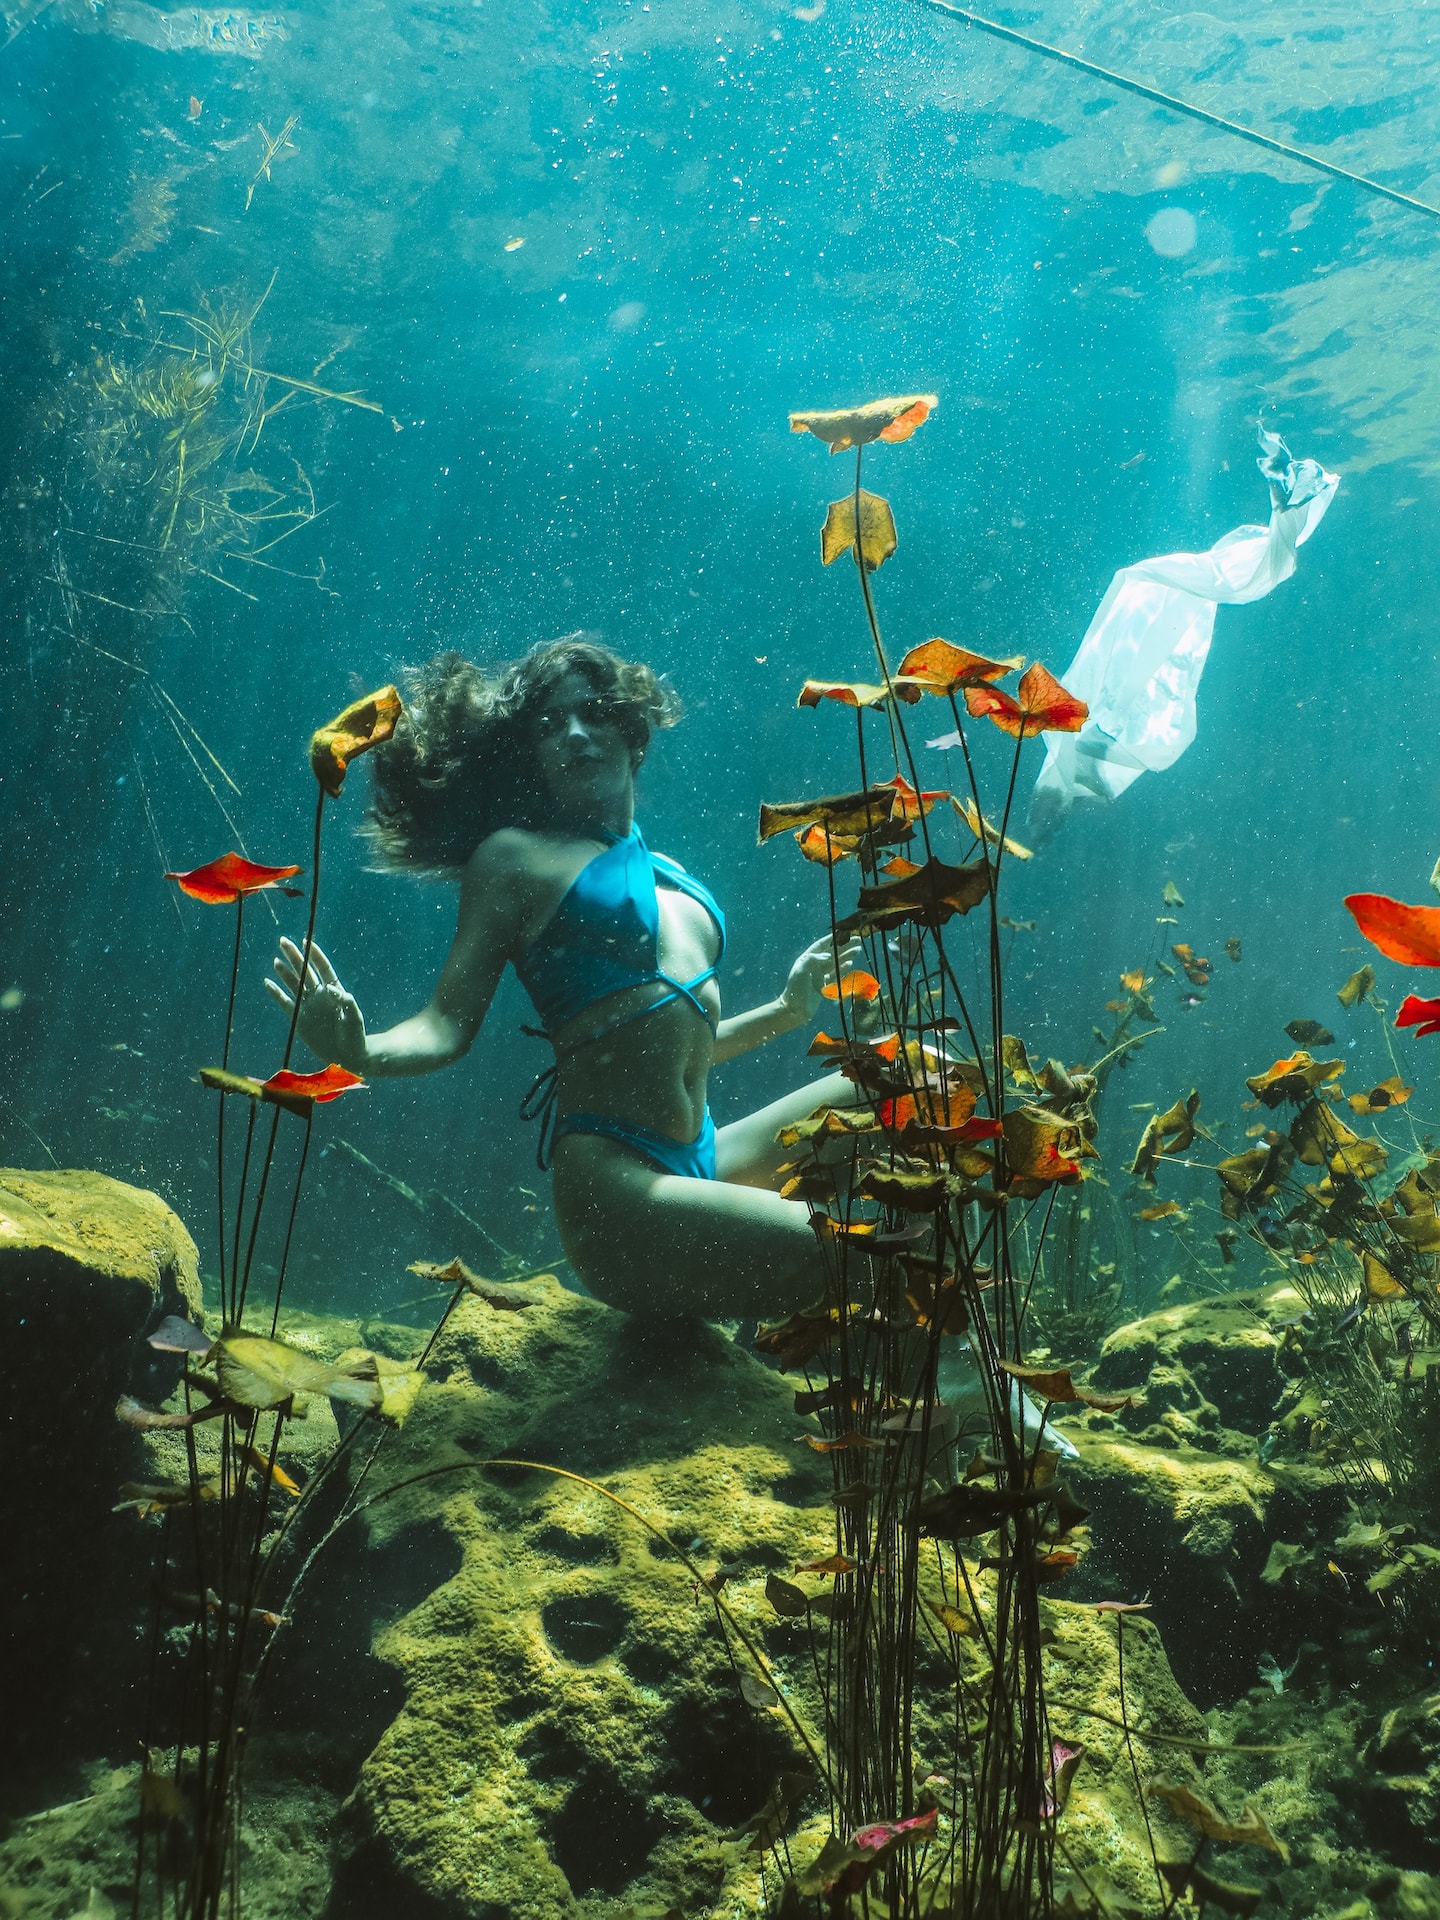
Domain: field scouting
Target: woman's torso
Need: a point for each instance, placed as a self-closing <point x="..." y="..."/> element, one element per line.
<point x="651" y="1069"/>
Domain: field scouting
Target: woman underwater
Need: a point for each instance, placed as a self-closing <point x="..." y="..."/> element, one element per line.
<point x="521" y="784"/>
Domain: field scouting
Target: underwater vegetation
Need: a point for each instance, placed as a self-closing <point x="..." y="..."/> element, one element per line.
<point x="924" y="1747"/>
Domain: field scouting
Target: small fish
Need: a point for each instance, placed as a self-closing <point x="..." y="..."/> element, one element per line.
<point x="190" y="1603"/>
<point x="514" y="246"/>
<point x="761" y="658"/>
<point x="1017" y="926"/>
<point x="1192" y="999"/>
<point x="1343" y="1578"/>
<point x="1348" y="1318"/>
<point x="1165" y="966"/>
<point x="1232" y="948"/>
<point x="258" y="1463"/>
<point x="1172" y="895"/>
<point x="1268" y="1444"/>
<point x="1133" y="461"/>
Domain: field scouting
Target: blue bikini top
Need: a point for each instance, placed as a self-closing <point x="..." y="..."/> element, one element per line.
<point x="605" y="935"/>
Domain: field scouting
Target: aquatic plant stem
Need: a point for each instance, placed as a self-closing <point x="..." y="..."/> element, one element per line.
<point x="1176" y="105"/>
<point x="224" y="1063"/>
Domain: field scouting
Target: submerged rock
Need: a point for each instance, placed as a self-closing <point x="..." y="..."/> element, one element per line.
<point x="1183" y="1508"/>
<point x="87" y="1266"/>
<point x="572" y="1731"/>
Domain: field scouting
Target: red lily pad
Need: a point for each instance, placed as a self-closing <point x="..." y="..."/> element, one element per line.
<point x="221" y="882"/>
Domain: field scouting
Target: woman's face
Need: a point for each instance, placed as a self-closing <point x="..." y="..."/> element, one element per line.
<point x="585" y="763"/>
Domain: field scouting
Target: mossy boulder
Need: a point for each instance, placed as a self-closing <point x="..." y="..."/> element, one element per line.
<point x="88" y="1265"/>
<point x="1182" y="1506"/>
<point x="573" y="1740"/>
<point x="1222" y="1353"/>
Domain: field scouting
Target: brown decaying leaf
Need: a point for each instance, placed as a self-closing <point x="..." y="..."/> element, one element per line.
<point x="910" y="1192"/>
<point x="1293" y="1079"/>
<point x="1380" y="1283"/>
<point x="790" y="1602"/>
<point x="757" y="1693"/>
<point x="455" y="1274"/>
<point x="892" y="419"/>
<point x="1250" y="1829"/>
<point x="1016" y="1061"/>
<point x="877" y="537"/>
<point x="929" y="897"/>
<point x="986" y="831"/>
<point x="363" y="724"/>
<point x="844" y="1443"/>
<point x="1389" y="1093"/>
<point x="1053" y="1384"/>
<point x="1166" y="1133"/>
<point x="1207" y="1891"/>
<point x="1041" y="1149"/>
<point x="849" y="693"/>
<point x="800" y="1338"/>
<point x="942" y="1307"/>
<point x="1358" y="987"/>
<point x="843" y="815"/>
<point x="1309" y="1033"/>
<point x="829" y="1123"/>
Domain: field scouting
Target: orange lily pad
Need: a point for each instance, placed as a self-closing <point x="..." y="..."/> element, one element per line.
<point x="221" y="882"/>
<point x="852" y="986"/>
<point x="892" y="419"/>
<point x="940" y="667"/>
<point x="1039" y="705"/>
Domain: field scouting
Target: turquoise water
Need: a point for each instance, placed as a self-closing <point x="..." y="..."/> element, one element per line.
<point x="724" y="213"/>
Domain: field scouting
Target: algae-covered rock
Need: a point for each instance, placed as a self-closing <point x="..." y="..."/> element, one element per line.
<point x="1228" y="1346"/>
<point x="573" y="1739"/>
<point x="1182" y="1507"/>
<point x="87" y="1265"/>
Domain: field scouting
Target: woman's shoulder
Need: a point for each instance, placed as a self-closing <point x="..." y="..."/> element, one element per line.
<point x="522" y="860"/>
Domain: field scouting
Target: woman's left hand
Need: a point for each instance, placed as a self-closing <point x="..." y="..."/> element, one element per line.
<point x="817" y="968"/>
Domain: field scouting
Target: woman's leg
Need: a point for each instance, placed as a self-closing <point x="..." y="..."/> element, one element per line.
<point x="747" y="1153"/>
<point x="652" y="1242"/>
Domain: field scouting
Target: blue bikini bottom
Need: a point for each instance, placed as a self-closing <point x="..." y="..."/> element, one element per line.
<point x="690" y="1159"/>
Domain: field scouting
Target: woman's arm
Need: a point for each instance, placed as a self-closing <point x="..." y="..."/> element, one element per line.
<point x="487" y="929"/>
<point x="815" y="968"/>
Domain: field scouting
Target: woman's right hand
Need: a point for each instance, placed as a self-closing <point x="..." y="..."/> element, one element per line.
<point x="331" y="1023"/>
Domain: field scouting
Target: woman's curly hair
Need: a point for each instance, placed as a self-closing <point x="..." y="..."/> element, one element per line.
<point x="460" y="765"/>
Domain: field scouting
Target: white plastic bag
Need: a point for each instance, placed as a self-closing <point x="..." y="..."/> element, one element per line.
<point x="1139" y="665"/>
